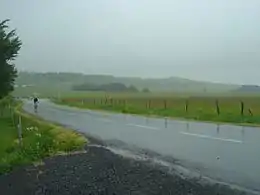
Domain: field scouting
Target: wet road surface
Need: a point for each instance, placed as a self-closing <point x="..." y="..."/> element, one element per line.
<point x="225" y="153"/>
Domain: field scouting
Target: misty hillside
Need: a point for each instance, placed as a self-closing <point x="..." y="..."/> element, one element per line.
<point x="248" y="89"/>
<point x="65" y="81"/>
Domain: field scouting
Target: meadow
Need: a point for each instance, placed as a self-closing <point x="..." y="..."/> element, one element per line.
<point x="217" y="108"/>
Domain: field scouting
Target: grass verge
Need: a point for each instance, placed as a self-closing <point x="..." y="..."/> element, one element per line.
<point x="40" y="139"/>
<point x="201" y="109"/>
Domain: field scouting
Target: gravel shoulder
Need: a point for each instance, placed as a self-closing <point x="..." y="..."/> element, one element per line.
<point x="98" y="171"/>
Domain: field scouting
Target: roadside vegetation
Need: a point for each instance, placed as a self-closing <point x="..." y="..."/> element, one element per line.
<point x="39" y="139"/>
<point x="24" y="138"/>
<point x="243" y="110"/>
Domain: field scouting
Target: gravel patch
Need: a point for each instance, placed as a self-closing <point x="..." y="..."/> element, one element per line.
<point x="100" y="172"/>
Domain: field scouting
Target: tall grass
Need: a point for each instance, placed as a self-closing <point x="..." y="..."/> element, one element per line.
<point x="39" y="139"/>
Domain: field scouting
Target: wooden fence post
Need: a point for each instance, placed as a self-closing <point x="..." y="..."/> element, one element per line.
<point x="250" y="112"/>
<point x="186" y="106"/>
<point x="217" y="107"/>
<point x="165" y="104"/>
<point x="242" y="108"/>
<point x="19" y="128"/>
<point x="149" y="104"/>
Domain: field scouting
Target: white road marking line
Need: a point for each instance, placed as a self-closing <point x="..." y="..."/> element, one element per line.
<point x="142" y="126"/>
<point x="104" y="120"/>
<point x="210" y="137"/>
<point x="71" y="113"/>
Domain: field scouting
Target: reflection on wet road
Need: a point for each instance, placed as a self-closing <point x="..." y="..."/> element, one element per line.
<point x="224" y="152"/>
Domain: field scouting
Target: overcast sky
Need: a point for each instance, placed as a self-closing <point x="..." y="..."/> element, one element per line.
<point x="216" y="40"/>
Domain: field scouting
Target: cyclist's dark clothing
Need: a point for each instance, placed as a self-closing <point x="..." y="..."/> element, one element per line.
<point x="35" y="100"/>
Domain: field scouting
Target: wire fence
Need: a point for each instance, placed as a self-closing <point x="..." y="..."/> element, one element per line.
<point x="186" y="105"/>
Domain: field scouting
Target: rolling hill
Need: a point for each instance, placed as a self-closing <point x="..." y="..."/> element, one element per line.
<point x="248" y="89"/>
<point x="48" y="83"/>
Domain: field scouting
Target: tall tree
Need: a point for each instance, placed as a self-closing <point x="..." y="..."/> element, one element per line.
<point x="10" y="44"/>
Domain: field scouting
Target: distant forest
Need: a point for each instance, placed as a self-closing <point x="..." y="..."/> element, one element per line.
<point x="111" y="87"/>
<point x="77" y="81"/>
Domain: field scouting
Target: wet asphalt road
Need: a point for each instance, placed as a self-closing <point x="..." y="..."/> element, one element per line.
<point x="225" y="153"/>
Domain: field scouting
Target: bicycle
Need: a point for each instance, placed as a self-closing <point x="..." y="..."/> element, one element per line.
<point x="35" y="107"/>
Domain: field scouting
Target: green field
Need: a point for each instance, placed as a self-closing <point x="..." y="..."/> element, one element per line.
<point x="244" y="109"/>
<point x="39" y="139"/>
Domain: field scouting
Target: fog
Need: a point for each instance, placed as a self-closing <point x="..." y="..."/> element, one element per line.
<point x="214" y="40"/>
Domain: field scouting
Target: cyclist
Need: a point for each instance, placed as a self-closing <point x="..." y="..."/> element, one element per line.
<point x="35" y="102"/>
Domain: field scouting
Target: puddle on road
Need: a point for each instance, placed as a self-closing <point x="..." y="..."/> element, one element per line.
<point x="172" y="168"/>
<point x="153" y="160"/>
